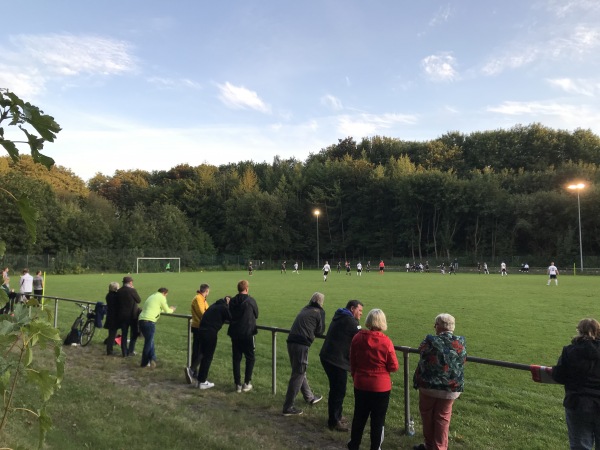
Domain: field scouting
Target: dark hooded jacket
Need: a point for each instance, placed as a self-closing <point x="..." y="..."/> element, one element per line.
<point x="244" y="312"/>
<point x="309" y="322"/>
<point x="578" y="368"/>
<point x="215" y="316"/>
<point x="336" y="348"/>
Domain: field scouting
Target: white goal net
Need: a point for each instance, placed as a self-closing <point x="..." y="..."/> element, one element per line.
<point x="153" y="265"/>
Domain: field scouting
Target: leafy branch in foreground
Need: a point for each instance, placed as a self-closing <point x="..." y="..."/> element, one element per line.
<point x="19" y="335"/>
<point x="38" y="129"/>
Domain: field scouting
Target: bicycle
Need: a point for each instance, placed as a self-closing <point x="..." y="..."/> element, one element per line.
<point x="84" y="325"/>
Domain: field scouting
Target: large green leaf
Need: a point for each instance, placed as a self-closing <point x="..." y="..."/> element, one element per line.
<point x="11" y="148"/>
<point x="29" y="215"/>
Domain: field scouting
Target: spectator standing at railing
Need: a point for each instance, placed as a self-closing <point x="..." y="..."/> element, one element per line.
<point x="26" y="284"/>
<point x="153" y="307"/>
<point x="439" y="377"/>
<point x="309" y="322"/>
<point x="38" y="285"/>
<point x="199" y="307"/>
<point x="372" y="359"/>
<point x="128" y="312"/>
<point x="335" y="358"/>
<point x="578" y="368"/>
<point x="242" y="329"/>
<point x="112" y="315"/>
<point x="212" y="321"/>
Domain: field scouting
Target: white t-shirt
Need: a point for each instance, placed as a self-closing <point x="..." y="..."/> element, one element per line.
<point x="552" y="270"/>
<point x="503" y="266"/>
<point x="359" y="266"/>
<point x="26" y="284"/>
<point x="326" y="268"/>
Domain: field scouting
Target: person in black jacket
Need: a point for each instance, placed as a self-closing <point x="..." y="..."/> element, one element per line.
<point x="242" y="328"/>
<point x="210" y="324"/>
<point x="111" y="323"/>
<point x="578" y="368"/>
<point x="128" y="312"/>
<point x="309" y="323"/>
<point x="335" y="358"/>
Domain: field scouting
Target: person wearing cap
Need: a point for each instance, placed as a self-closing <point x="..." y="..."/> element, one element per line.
<point x="199" y="307"/>
<point x="128" y="311"/>
<point x="151" y="311"/>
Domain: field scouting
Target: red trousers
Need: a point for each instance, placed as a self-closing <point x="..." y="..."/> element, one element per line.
<point x="435" y="414"/>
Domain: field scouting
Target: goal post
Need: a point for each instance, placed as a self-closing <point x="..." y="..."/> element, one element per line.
<point x="168" y="263"/>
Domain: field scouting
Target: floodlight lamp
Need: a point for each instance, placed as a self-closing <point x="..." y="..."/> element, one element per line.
<point x="317" y="212"/>
<point x="576" y="186"/>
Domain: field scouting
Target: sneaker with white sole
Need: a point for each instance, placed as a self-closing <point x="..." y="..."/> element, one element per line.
<point x="238" y="388"/>
<point x="189" y="375"/>
<point x="316" y="399"/>
<point x="247" y="387"/>
<point x="206" y="385"/>
<point x="293" y="411"/>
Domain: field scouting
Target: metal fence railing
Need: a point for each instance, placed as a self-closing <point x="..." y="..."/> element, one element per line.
<point x="275" y="330"/>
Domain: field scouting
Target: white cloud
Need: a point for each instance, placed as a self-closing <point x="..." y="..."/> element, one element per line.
<point x="67" y="54"/>
<point x="369" y="124"/>
<point x="171" y="83"/>
<point x="26" y="84"/>
<point x="332" y="102"/>
<point x="440" y="67"/>
<point x="238" y="97"/>
<point x="581" y="40"/>
<point x="579" y="86"/>
<point x="562" y="8"/>
<point x="442" y="15"/>
<point x="30" y="61"/>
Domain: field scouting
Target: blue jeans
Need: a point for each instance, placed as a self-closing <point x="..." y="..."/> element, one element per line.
<point x="584" y="429"/>
<point x="148" y="329"/>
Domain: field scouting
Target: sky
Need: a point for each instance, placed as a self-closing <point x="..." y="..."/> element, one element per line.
<point x="145" y="84"/>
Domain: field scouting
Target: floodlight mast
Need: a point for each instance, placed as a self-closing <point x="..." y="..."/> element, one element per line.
<point x="317" y="213"/>
<point x="578" y="187"/>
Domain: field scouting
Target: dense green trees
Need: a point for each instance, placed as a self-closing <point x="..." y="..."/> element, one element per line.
<point x="487" y="195"/>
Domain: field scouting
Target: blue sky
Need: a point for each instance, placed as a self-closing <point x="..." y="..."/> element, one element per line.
<point x="150" y="85"/>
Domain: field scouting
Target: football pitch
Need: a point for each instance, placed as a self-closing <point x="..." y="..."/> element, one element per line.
<point x="517" y="318"/>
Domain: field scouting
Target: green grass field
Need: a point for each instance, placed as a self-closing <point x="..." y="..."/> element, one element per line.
<point x="109" y="402"/>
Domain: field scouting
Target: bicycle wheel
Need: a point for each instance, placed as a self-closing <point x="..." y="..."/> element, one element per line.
<point x="87" y="332"/>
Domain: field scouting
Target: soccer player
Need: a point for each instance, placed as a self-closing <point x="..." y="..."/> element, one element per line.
<point x="283" y="267"/>
<point x="368" y="266"/>
<point x="359" y="269"/>
<point x="485" y="269"/>
<point x="381" y="267"/>
<point x="326" y="270"/>
<point x="348" y="268"/>
<point x="296" y="268"/>
<point x="250" y="268"/>
<point x="503" y="271"/>
<point x="553" y="274"/>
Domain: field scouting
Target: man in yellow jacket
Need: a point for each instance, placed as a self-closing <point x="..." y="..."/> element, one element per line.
<point x="199" y="307"/>
<point x="151" y="311"/>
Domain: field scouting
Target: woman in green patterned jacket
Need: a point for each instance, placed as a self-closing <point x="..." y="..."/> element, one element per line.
<point x="439" y="377"/>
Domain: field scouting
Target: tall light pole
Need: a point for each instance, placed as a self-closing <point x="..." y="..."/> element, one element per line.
<point x="317" y="213"/>
<point x="578" y="187"/>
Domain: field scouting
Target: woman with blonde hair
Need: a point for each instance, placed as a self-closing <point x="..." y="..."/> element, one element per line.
<point x="578" y="368"/>
<point x="372" y="359"/>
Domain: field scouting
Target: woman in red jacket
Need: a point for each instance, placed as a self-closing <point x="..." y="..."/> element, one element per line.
<point x="372" y="358"/>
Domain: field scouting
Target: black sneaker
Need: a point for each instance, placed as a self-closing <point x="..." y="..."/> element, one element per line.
<point x="293" y="411"/>
<point x="316" y="399"/>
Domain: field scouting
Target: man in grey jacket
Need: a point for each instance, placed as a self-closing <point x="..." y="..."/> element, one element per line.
<point x="309" y="323"/>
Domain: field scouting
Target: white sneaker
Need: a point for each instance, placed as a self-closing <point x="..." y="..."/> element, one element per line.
<point x="247" y="387"/>
<point x="238" y="388"/>
<point x="206" y="385"/>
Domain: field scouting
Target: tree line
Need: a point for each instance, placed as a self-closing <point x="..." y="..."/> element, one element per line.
<point x="484" y="195"/>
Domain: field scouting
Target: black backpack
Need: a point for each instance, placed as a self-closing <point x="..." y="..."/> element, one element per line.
<point x="73" y="337"/>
